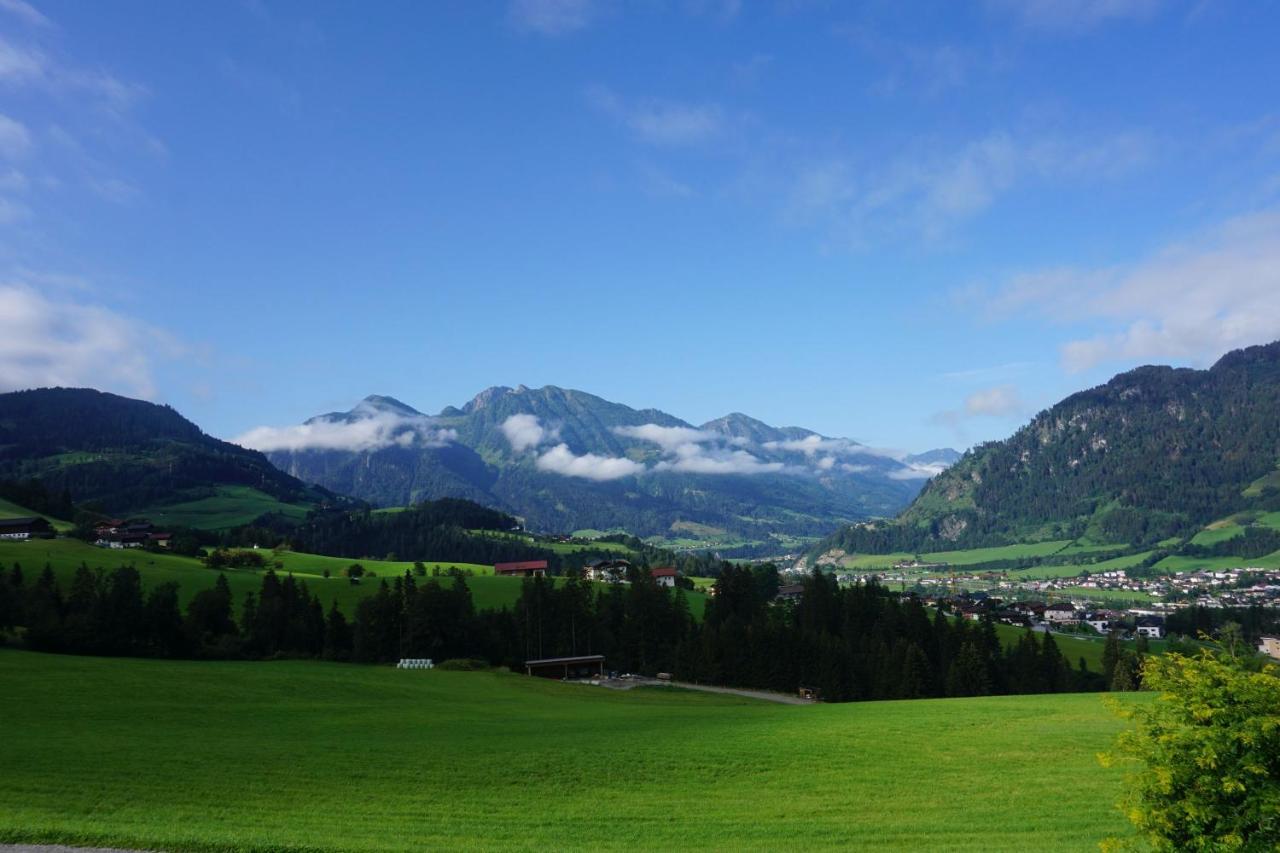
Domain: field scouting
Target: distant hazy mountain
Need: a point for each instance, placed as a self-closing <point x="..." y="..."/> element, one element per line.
<point x="567" y="460"/>
<point x="1155" y="453"/>
<point x="122" y="455"/>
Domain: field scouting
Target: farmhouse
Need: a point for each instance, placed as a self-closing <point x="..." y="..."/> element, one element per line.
<point x="790" y="592"/>
<point x="525" y="569"/>
<point x="664" y="576"/>
<point x="28" y="527"/>
<point x="137" y="533"/>
<point x="583" y="666"/>
<point x="1061" y="614"/>
<point x="606" y="571"/>
<point x="1269" y="646"/>
<point x="1151" y="627"/>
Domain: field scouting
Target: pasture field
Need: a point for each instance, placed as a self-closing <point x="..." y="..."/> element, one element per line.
<point x="66" y="555"/>
<point x="556" y="547"/>
<point x="293" y="755"/>
<point x="1042" y="572"/>
<point x="962" y="558"/>
<point x="1230" y="528"/>
<point x="1177" y="563"/>
<point x="231" y="506"/>
<point x="9" y="509"/>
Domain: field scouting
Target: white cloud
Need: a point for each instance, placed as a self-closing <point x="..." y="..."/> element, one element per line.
<point x="370" y="430"/>
<point x="15" y="139"/>
<point x="1001" y="401"/>
<point x="526" y="431"/>
<point x="658" y="121"/>
<point x="589" y="466"/>
<point x="813" y="444"/>
<point x="694" y="451"/>
<point x="26" y="12"/>
<point x="1074" y="15"/>
<point x="552" y="17"/>
<point x="668" y="438"/>
<point x="917" y="472"/>
<point x="700" y="459"/>
<point x="45" y="342"/>
<point x="1193" y="300"/>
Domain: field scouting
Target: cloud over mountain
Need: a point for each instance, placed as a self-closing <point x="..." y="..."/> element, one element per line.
<point x="363" y="430"/>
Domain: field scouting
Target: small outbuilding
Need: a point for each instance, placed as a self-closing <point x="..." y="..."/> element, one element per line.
<point x="582" y="666"/>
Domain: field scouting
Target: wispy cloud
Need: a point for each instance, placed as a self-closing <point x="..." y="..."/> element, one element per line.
<point x="25" y="12"/>
<point x="552" y="17"/>
<point x="1074" y="16"/>
<point x="659" y="121"/>
<point x="1000" y="401"/>
<point x="370" y="429"/>
<point x="1193" y="300"/>
<point x="930" y="192"/>
<point x="46" y="341"/>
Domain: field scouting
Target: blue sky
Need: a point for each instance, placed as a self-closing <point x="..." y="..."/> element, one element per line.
<point x="909" y="224"/>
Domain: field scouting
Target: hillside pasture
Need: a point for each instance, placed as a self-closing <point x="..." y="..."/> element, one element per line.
<point x="191" y="575"/>
<point x="229" y="506"/>
<point x="9" y="509"/>
<point x="292" y="755"/>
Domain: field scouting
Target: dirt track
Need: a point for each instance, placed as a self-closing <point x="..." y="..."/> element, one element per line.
<point x="762" y="695"/>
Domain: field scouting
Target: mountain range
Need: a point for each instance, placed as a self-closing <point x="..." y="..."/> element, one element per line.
<point x="1152" y="456"/>
<point x="567" y="460"/>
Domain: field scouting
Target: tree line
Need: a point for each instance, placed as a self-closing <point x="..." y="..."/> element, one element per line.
<point x="852" y="643"/>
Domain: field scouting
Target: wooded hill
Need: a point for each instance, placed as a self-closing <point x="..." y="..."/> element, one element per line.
<point x="1155" y="453"/>
<point x="119" y="455"/>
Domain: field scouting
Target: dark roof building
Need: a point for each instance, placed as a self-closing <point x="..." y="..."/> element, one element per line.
<point x="523" y="569"/>
<point x="26" y="527"/>
<point x="582" y="666"/>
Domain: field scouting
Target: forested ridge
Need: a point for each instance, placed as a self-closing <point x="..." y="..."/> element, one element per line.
<point x="1157" y="452"/>
<point x="115" y="454"/>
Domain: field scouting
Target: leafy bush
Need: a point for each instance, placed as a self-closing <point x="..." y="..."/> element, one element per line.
<point x="1209" y="746"/>
<point x="462" y="665"/>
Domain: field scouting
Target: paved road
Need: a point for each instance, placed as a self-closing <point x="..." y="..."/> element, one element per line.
<point x="763" y="695"/>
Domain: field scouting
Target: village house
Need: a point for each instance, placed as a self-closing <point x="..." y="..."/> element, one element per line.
<point x="606" y="571"/>
<point x="1151" y="627"/>
<point x="664" y="576"/>
<point x="26" y="527"/>
<point x="523" y="569"/>
<point x="790" y="592"/>
<point x="137" y="533"/>
<point x="1061" y="614"/>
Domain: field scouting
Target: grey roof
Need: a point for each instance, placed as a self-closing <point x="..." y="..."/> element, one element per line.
<point x="579" y="659"/>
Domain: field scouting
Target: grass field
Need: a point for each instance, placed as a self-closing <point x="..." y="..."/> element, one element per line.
<point x="66" y="555"/>
<point x="1191" y="564"/>
<point x="9" y="509"/>
<point x="961" y="558"/>
<point x="556" y="547"/>
<point x="1040" y="572"/>
<point x="302" y="755"/>
<point x="232" y="506"/>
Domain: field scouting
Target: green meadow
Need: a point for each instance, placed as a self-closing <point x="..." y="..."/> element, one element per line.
<point x="292" y="756"/>
<point x="66" y="555"/>
<point x="9" y="509"/>
<point x="229" y="506"/>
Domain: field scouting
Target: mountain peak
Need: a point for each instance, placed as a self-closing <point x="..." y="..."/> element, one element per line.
<point x="383" y="403"/>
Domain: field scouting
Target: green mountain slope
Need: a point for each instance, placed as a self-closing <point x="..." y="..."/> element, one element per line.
<point x="125" y="456"/>
<point x="1155" y="453"/>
